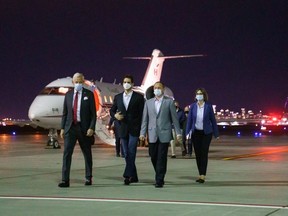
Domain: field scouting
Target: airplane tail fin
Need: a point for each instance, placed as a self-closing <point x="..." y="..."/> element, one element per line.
<point x="154" y="69"/>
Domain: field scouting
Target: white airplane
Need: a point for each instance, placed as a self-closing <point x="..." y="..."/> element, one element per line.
<point x="46" y="109"/>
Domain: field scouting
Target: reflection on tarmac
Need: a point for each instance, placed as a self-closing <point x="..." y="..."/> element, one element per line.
<point x="246" y="176"/>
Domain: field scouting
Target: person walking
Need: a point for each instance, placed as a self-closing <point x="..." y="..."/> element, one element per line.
<point x="201" y="123"/>
<point x="186" y="140"/>
<point x="158" y="116"/>
<point x="181" y="118"/>
<point x="127" y="108"/>
<point x="78" y="123"/>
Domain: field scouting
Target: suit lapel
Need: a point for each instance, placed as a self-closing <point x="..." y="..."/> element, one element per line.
<point x="205" y="110"/>
<point x="122" y="103"/>
<point x="195" y="107"/>
<point x="70" y="99"/>
<point x="132" y="99"/>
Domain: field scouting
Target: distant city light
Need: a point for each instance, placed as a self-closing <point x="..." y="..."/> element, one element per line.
<point x="257" y="134"/>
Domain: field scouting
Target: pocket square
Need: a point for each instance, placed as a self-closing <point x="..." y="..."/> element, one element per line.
<point x="85" y="98"/>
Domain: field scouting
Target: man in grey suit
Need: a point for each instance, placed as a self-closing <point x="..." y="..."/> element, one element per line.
<point x="158" y="116"/>
<point x="78" y="123"/>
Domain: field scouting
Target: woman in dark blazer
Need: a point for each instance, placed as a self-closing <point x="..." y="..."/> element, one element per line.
<point x="201" y="125"/>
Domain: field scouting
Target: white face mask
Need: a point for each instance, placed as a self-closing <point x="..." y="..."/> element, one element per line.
<point x="78" y="86"/>
<point x="127" y="86"/>
<point x="199" y="97"/>
<point x="157" y="92"/>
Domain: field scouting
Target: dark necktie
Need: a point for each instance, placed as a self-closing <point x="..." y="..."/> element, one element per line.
<point x="75" y="108"/>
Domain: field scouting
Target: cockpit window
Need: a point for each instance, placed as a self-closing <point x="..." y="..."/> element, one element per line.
<point x="55" y="90"/>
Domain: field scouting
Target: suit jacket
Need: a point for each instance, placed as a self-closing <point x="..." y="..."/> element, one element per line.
<point x="87" y="111"/>
<point x="131" y="123"/>
<point x="159" y="125"/>
<point x="209" y="121"/>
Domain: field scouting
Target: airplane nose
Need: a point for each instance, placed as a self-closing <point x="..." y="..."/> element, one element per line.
<point x="31" y="116"/>
<point x="33" y="112"/>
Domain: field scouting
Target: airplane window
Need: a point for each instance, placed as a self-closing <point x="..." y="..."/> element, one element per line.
<point x="105" y="99"/>
<point x="55" y="90"/>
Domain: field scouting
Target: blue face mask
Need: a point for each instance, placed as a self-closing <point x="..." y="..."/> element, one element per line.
<point x="199" y="97"/>
<point x="78" y="86"/>
<point x="157" y="92"/>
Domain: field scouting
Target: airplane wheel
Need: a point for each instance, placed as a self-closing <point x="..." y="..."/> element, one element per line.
<point x="56" y="144"/>
<point x="50" y="143"/>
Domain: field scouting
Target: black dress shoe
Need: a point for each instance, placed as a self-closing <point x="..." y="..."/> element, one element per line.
<point x="126" y="181"/>
<point x="64" y="184"/>
<point x="200" y="180"/>
<point x="88" y="182"/>
<point x="133" y="180"/>
<point x="158" y="185"/>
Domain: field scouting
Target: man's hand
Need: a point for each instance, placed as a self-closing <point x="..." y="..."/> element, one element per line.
<point x="90" y="132"/>
<point x="142" y="138"/>
<point x="179" y="138"/>
<point x="119" y="116"/>
<point x="62" y="133"/>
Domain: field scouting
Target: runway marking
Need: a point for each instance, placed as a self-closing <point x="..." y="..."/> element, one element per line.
<point x="145" y="201"/>
<point x="255" y="154"/>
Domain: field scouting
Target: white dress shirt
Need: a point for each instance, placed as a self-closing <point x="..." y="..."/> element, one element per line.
<point x="127" y="98"/>
<point x="158" y="103"/>
<point x="199" y="117"/>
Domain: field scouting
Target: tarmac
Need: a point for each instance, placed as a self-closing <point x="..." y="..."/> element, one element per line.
<point x="246" y="176"/>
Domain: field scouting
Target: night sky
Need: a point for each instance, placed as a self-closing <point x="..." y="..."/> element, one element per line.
<point x="246" y="43"/>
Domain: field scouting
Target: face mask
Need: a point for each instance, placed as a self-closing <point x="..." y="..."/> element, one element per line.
<point x="199" y="97"/>
<point x="157" y="92"/>
<point x="126" y="86"/>
<point x="186" y="112"/>
<point x="78" y="86"/>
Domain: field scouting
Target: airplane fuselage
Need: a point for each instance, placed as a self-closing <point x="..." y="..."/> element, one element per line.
<point x="47" y="108"/>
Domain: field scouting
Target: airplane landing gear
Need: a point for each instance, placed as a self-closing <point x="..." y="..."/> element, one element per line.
<point x="53" y="142"/>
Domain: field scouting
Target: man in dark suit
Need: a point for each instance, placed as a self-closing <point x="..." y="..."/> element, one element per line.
<point x="158" y="116"/>
<point x="78" y="123"/>
<point x="127" y="108"/>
